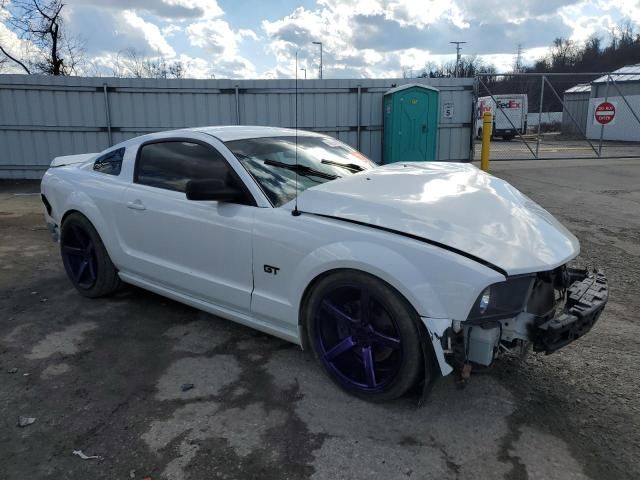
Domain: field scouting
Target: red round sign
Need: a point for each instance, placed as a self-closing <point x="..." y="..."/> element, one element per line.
<point x="605" y="112"/>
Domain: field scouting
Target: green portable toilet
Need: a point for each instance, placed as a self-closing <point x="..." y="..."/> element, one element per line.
<point x="410" y="123"/>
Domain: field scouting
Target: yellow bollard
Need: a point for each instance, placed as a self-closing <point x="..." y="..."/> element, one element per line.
<point x="487" y="125"/>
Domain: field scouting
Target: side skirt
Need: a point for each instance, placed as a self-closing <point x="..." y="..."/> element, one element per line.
<point x="226" y="313"/>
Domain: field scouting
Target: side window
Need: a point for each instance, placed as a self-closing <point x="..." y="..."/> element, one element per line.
<point x="170" y="165"/>
<point x="110" y="163"/>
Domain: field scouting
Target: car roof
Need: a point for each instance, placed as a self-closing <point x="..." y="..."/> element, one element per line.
<point x="228" y="133"/>
<point x="224" y="133"/>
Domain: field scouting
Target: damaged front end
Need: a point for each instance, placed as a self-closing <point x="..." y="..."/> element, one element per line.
<point x="544" y="311"/>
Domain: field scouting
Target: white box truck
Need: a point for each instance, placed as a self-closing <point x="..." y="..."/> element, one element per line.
<point x="509" y="114"/>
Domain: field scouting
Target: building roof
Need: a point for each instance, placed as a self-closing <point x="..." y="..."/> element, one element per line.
<point x="580" y="88"/>
<point x="410" y="85"/>
<point x="630" y="73"/>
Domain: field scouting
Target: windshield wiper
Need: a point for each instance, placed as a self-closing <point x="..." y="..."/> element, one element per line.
<point x="301" y="169"/>
<point x="352" y="167"/>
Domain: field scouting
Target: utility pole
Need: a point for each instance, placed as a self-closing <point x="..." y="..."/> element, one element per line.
<point x="458" y="47"/>
<point x="305" y="72"/>
<point x="319" y="43"/>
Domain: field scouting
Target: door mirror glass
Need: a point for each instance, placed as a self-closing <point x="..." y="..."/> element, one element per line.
<point x="213" y="190"/>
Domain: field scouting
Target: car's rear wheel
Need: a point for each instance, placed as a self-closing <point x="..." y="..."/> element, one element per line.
<point x="85" y="259"/>
<point x="365" y="335"/>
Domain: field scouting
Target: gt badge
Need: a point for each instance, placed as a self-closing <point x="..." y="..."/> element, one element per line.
<point x="271" y="269"/>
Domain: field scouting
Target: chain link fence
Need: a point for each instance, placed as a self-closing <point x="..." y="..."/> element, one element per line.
<point x="557" y="115"/>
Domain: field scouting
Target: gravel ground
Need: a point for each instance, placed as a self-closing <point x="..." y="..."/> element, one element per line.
<point x="104" y="376"/>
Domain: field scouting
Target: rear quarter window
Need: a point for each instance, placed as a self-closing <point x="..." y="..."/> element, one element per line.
<point x="110" y="163"/>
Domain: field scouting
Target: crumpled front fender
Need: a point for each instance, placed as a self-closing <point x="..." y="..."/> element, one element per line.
<point x="435" y="329"/>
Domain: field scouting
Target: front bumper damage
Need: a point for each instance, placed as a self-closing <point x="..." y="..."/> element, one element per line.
<point x="584" y="295"/>
<point x="586" y="299"/>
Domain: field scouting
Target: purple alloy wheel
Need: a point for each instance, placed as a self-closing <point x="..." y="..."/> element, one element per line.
<point x="79" y="257"/>
<point x="357" y="339"/>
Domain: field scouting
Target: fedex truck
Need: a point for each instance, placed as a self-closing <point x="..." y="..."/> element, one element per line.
<point x="509" y="114"/>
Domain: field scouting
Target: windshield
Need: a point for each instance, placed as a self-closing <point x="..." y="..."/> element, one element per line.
<point x="272" y="162"/>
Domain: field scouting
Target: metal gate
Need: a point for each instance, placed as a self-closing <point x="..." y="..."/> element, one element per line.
<point x="560" y="115"/>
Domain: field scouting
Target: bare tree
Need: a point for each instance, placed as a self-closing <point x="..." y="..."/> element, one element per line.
<point x="40" y="24"/>
<point x="132" y="63"/>
<point x="593" y="44"/>
<point x="625" y="32"/>
<point x="407" y="72"/>
<point x="177" y="69"/>
<point x="431" y="70"/>
<point x="564" y="53"/>
<point x="469" y="66"/>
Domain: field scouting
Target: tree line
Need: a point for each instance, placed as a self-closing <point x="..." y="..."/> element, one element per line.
<point x="565" y="56"/>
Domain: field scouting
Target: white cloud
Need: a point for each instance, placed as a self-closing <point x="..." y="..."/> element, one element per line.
<point x="628" y="8"/>
<point x="196" y="67"/>
<point x="360" y="37"/>
<point x="418" y="13"/>
<point x="16" y="47"/>
<point x="585" y="21"/>
<point x="150" y="31"/>
<point x="209" y="8"/>
<point x="217" y="37"/>
<point x="173" y="9"/>
<point x="385" y="37"/>
<point x="213" y="35"/>
<point x="170" y="30"/>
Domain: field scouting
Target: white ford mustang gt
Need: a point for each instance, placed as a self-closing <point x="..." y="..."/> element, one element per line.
<point x="393" y="275"/>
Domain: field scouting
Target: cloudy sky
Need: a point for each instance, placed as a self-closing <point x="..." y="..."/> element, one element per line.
<point x="361" y="38"/>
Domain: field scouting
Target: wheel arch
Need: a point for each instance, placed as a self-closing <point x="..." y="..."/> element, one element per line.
<point x="394" y="285"/>
<point x="399" y="270"/>
<point x="90" y="218"/>
<point x="70" y="212"/>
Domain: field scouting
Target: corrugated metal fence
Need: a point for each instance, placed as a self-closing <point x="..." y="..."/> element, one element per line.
<point x="44" y="117"/>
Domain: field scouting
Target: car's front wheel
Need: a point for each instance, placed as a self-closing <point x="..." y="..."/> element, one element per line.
<point x="365" y="335"/>
<point x="85" y="259"/>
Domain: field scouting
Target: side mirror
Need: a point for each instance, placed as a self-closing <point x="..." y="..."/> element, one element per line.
<point x="213" y="190"/>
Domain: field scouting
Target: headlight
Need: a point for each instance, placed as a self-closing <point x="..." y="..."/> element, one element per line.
<point x="502" y="300"/>
<point x="485" y="298"/>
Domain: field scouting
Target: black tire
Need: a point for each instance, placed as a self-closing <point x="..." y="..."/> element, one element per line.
<point x="412" y="363"/>
<point x="106" y="279"/>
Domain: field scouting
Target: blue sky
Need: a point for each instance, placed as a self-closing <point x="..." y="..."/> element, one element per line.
<point x="361" y="38"/>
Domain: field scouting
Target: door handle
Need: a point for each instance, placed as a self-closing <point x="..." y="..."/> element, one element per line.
<point x="136" y="205"/>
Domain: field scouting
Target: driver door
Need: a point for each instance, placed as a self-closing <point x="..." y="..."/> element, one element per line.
<point x="198" y="248"/>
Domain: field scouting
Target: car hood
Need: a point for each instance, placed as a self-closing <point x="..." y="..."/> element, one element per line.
<point x="452" y="204"/>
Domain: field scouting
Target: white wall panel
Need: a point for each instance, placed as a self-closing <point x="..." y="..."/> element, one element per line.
<point x="44" y="117"/>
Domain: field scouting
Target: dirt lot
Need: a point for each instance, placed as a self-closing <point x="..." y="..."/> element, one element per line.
<point x="105" y="376"/>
